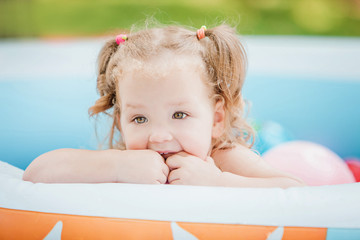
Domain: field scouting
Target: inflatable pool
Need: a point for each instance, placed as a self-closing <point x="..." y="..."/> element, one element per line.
<point x="307" y="85"/>
<point x="136" y="211"/>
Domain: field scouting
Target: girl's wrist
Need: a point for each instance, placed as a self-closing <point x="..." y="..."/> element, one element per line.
<point x="228" y="179"/>
<point x="113" y="156"/>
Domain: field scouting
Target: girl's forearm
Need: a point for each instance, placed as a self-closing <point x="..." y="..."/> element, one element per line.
<point x="232" y="180"/>
<point x="73" y="166"/>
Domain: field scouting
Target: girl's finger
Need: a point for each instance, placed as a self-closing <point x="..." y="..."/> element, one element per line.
<point x="173" y="176"/>
<point x="173" y="162"/>
<point x="175" y="182"/>
<point x="163" y="179"/>
<point x="165" y="169"/>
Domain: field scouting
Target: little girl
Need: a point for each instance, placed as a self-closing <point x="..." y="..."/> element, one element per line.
<point x="175" y="98"/>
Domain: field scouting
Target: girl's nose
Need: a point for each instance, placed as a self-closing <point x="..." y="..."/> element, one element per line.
<point x="159" y="136"/>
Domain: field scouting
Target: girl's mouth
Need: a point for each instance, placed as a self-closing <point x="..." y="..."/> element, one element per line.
<point x="165" y="155"/>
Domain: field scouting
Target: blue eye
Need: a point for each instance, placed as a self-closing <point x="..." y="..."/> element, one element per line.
<point x="140" y="120"/>
<point x="179" y="115"/>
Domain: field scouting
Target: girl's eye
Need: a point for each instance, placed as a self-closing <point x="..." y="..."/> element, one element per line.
<point x="140" y="120"/>
<point x="179" y="115"/>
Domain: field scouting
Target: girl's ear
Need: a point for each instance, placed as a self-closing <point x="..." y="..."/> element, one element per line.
<point x="219" y="119"/>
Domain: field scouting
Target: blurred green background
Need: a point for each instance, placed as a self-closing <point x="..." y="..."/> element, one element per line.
<point x="72" y="18"/>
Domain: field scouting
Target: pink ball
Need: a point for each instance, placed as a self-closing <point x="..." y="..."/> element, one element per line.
<point x="315" y="164"/>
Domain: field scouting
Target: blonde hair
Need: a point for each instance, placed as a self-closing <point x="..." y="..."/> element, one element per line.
<point x="225" y="64"/>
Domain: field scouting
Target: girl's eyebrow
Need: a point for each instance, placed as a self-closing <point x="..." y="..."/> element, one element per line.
<point x="173" y="104"/>
<point x="180" y="103"/>
<point x="130" y="105"/>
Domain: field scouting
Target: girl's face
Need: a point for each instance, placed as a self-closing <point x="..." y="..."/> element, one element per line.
<point x="165" y="107"/>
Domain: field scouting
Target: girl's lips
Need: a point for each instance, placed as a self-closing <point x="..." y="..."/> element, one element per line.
<point x="165" y="155"/>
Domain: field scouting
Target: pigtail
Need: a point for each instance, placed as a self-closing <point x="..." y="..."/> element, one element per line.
<point x="106" y="86"/>
<point x="226" y="61"/>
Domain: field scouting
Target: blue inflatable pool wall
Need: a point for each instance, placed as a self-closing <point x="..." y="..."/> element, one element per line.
<point x="309" y="86"/>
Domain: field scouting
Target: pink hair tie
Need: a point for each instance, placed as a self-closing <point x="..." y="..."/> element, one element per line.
<point x="121" y="38"/>
<point x="201" y="32"/>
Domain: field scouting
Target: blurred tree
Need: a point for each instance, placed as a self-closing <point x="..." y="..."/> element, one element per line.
<point x="44" y="18"/>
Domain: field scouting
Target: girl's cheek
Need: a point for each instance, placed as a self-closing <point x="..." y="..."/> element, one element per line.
<point x="197" y="145"/>
<point x="135" y="141"/>
<point x="133" y="146"/>
<point x="131" y="143"/>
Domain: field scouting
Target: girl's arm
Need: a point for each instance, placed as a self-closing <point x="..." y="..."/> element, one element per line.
<point x="90" y="166"/>
<point x="243" y="168"/>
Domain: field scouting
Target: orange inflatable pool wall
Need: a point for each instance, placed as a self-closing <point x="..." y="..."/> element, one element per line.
<point x="18" y="224"/>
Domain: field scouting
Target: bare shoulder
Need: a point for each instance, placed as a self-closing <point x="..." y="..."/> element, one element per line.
<point x="238" y="157"/>
<point x="245" y="162"/>
<point x="239" y="152"/>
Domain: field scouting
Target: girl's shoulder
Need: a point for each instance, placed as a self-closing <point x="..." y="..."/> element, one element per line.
<point x="238" y="151"/>
<point x="238" y="158"/>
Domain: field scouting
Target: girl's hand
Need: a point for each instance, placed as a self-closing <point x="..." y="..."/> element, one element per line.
<point x="141" y="166"/>
<point x="186" y="169"/>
